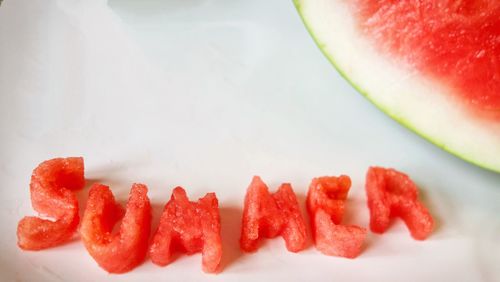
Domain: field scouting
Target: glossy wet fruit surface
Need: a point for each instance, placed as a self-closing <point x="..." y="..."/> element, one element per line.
<point x="393" y="194"/>
<point x="189" y="227"/>
<point x="326" y="201"/>
<point x="123" y="250"/>
<point x="52" y="188"/>
<point x="269" y="215"/>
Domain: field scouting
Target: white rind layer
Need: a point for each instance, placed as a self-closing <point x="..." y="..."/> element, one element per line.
<point x="413" y="100"/>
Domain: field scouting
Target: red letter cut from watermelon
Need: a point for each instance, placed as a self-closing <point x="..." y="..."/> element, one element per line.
<point x="392" y="194"/>
<point x="325" y="204"/>
<point x="272" y="215"/>
<point x="121" y="251"/>
<point x="52" y="185"/>
<point x="191" y="227"/>
<point x="429" y="64"/>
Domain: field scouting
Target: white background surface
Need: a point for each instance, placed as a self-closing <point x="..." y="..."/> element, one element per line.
<point x="205" y="94"/>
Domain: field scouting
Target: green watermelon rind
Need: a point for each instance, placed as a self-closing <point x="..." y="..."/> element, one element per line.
<point x="395" y="117"/>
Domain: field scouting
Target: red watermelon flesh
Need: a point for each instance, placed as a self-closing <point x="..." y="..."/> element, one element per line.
<point x="326" y="204"/>
<point x="457" y="42"/>
<point x="190" y="227"/>
<point x="337" y="240"/>
<point x="294" y="231"/>
<point x="270" y="215"/>
<point x="432" y="65"/>
<point x="121" y="251"/>
<point x="52" y="188"/>
<point x="208" y="211"/>
<point x="391" y="194"/>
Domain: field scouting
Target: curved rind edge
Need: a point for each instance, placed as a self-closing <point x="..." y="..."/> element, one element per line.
<point x="380" y="107"/>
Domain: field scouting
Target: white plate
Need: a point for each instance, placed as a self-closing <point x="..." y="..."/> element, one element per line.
<point x="205" y="94"/>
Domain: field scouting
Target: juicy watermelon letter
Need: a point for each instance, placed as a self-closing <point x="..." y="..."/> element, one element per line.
<point x="272" y="215"/>
<point x="116" y="252"/>
<point x="52" y="185"/>
<point x="392" y="194"/>
<point x="325" y="205"/>
<point x="191" y="227"/>
<point x="431" y="65"/>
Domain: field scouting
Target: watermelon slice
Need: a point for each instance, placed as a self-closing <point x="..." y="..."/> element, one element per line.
<point x="434" y="66"/>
